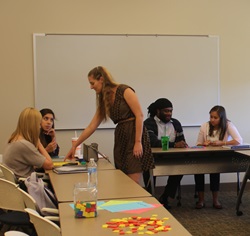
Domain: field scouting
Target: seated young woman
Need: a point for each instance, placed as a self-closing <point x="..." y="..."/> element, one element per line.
<point x="48" y="134"/>
<point x="218" y="131"/>
<point x="24" y="151"/>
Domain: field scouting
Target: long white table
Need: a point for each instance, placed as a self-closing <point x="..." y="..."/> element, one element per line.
<point x="206" y="160"/>
<point x="112" y="184"/>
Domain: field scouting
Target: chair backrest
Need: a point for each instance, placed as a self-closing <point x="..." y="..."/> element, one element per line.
<point x="8" y="174"/>
<point x="29" y="201"/>
<point x="10" y="196"/>
<point x="42" y="225"/>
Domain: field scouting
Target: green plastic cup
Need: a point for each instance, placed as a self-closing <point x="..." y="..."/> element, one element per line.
<point x="165" y="142"/>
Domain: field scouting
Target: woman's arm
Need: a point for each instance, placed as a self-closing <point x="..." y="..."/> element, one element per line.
<point x="202" y="136"/>
<point x="53" y="147"/>
<point x="48" y="163"/>
<point x="50" y="144"/>
<point x="233" y="132"/>
<point x="133" y="102"/>
<point x="95" y="122"/>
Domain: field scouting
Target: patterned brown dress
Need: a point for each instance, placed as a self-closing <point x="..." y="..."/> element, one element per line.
<point x="125" y="137"/>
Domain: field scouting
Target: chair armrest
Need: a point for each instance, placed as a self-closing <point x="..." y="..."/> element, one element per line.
<point x="49" y="211"/>
<point x="52" y="218"/>
<point x="42" y="175"/>
<point x="21" y="179"/>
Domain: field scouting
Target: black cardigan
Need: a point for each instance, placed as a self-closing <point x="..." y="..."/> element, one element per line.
<point x="152" y="128"/>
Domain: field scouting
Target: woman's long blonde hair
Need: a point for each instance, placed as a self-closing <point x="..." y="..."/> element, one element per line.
<point x="104" y="99"/>
<point x="28" y="126"/>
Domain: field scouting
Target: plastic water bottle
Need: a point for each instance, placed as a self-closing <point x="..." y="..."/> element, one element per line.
<point x="92" y="172"/>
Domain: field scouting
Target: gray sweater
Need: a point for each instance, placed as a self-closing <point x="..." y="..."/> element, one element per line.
<point x="21" y="157"/>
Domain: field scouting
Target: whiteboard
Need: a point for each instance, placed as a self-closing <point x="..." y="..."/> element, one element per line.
<point x="184" y="69"/>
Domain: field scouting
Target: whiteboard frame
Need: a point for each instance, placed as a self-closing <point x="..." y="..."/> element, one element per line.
<point x="35" y="35"/>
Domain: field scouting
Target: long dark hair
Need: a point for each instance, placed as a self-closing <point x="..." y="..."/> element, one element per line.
<point x="44" y="112"/>
<point x="223" y="121"/>
<point x="103" y="99"/>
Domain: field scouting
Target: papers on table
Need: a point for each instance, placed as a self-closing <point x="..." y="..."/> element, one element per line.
<point x="65" y="163"/>
<point x="117" y="206"/>
<point x="70" y="169"/>
<point x="132" y="207"/>
<point x="237" y="147"/>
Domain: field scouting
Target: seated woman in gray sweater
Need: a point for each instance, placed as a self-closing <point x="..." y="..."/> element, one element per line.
<point x="24" y="151"/>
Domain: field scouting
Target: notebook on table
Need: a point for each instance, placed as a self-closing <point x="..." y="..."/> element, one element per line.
<point x="65" y="163"/>
<point x="70" y="169"/>
<point x="237" y="147"/>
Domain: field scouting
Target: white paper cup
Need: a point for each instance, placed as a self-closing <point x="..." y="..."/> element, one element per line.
<point x="78" y="148"/>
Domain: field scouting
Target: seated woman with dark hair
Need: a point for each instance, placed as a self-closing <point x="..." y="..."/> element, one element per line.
<point x="48" y="134"/>
<point x="218" y="131"/>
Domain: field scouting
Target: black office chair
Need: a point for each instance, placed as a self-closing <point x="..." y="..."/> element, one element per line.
<point x="243" y="185"/>
<point x="147" y="182"/>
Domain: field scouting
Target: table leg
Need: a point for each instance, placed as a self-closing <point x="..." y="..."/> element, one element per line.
<point x="152" y="182"/>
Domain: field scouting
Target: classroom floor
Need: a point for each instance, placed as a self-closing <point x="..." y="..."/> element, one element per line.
<point x="209" y="221"/>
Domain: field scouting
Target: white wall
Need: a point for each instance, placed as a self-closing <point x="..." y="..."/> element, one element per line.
<point x="228" y="19"/>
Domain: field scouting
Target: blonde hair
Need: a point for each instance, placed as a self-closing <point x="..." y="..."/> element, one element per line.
<point x="104" y="99"/>
<point x="28" y="126"/>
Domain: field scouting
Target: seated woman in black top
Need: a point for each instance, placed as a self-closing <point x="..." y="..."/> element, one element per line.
<point x="47" y="134"/>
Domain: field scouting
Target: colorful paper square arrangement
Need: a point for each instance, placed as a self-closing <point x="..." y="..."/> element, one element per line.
<point x="122" y="206"/>
<point x="85" y="209"/>
<point x="138" y="225"/>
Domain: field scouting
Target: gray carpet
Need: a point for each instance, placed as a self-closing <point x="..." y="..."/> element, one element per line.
<point x="210" y="221"/>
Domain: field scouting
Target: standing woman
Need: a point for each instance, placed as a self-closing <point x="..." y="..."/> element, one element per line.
<point x="218" y="131"/>
<point x="132" y="151"/>
<point x="24" y="150"/>
<point x="48" y="134"/>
